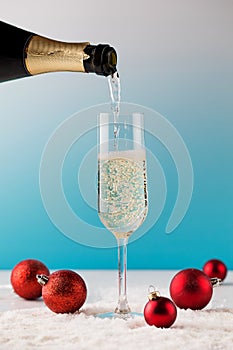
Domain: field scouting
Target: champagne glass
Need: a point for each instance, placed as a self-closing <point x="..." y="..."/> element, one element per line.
<point x="122" y="189"/>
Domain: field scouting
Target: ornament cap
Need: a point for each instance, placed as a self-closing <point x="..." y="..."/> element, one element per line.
<point x="215" y="281"/>
<point x="153" y="294"/>
<point x="42" y="279"/>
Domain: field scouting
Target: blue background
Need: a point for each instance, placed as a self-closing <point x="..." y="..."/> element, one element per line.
<point x="174" y="57"/>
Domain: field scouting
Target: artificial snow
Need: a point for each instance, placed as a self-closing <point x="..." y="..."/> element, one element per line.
<point x="27" y="325"/>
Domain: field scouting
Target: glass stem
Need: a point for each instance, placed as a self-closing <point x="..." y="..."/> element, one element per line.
<point x="122" y="306"/>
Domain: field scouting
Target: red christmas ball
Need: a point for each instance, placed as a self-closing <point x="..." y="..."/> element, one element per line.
<point x="215" y="268"/>
<point x="23" y="278"/>
<point x="64" y="291"/>
<point x="191" y="289"/>
<point x="160" y="311"/>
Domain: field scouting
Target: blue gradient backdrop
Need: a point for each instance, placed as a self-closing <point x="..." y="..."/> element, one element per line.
<point x="174" y="57"/>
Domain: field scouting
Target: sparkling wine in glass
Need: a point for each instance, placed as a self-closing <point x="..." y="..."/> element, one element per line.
<point x="122" y="187"/>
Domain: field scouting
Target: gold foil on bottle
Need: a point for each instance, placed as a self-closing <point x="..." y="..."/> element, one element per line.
<point x="44" y="55"/>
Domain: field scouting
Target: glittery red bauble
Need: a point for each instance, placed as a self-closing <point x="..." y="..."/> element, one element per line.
<point x="160" y="312"/>
<point x="64" y="292"/>
<point x="191" y="289"/>
<point x="215" y="268"/>
<point x="23" y="278"/>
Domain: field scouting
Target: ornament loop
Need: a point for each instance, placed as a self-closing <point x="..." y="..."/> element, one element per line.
<point x="151" y="288"/>
<point x="42" y="279"/>
<point x="215" y="281"/>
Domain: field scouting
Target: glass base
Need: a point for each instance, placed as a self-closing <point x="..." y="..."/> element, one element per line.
<point x="112" y="315"/>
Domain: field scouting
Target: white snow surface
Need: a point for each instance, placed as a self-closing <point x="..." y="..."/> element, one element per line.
<point x="29" y="325"/>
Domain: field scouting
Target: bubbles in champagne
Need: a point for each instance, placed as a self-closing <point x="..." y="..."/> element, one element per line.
<point x="122" y="191"/>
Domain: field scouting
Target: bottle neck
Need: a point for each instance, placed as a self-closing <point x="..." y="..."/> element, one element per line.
<point x="44" y="55"/>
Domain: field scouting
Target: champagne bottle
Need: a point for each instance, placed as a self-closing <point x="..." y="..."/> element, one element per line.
<point x="23" y="54"/>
